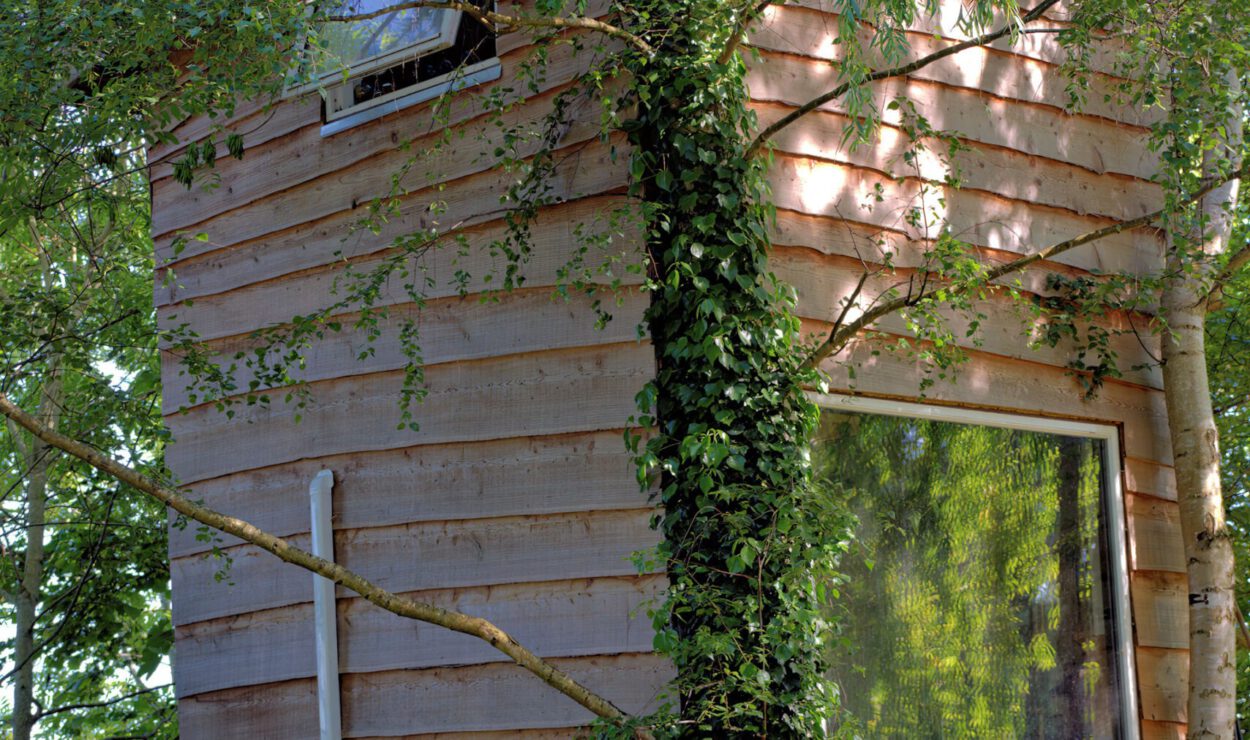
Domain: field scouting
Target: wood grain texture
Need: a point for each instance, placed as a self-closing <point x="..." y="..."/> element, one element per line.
<point x="1094" y="143"/>
<point x="1161" y="609"/>
<point x="1004" y="327"/>
<point x="524" y="476"/>
<point x="420" y="556"/>
<point x="1162" y="730"/>
<point x="604" y="616"/>
<point x="1163" y="684"/>
<point x="1154" y="534"/>
<point x="1150" y="478"/>
<point x="1003" y="171"/>
<point x="996" y="383"/>
<point x="522" y="395"/>
<point x="980" y="219"/>
<point x="1019" y="77"/>
<point x="360" y="161"/>
<point x="495" y="697"/>
<point x="451" y="330"/>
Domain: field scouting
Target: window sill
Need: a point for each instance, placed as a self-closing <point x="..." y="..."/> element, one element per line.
<point x="477" y="74"/>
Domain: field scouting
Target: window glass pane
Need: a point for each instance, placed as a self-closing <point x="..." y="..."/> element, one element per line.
<point x="352" y="42"/>
<point x="977" y="599"/>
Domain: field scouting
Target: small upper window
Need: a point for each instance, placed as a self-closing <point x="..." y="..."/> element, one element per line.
<point x="384" y="57"/>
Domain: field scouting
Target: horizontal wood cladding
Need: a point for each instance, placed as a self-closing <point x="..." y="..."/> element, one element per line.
<point x="451" y="330"/>
<point x="1020" y="77"/>
<point x="368" y="154"/>
<point x="522" y="476"/>
<point x="823" y="284"/>
<point x="422" y="555"/>
<point x="601" y="616"/>
<point x="997" y="383"/>
<point x="989" y="167"/>
<point x="272" y="302"/>
<point x="494" y="697"/>
<point x="822" y="188"/>
<point x="1161" y="609"/>
<point x="524" y="395"/>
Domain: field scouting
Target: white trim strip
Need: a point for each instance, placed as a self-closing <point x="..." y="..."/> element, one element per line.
<point x="325" y="620"/>
<point x="487" y="71"/>
<point x="1117" y="540"/>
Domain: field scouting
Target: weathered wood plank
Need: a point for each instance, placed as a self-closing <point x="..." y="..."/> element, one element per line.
<point x="556" y="244"/>
<point x="1163" y="684"/>
<point x="506" y="477"/>
<point x="994" y="169"/>
<point x="555" y="619"/>
<point x="451" y="330"/>
<point x="1010" y="76"/>
<point x="471" y="206"/>
<point x="364" y="158"/>
<point x="1149" y="478"/>
<point x="981" y="219"/>
<point x="422" y="556"/>
<point x="823" y="283"/>
<point x="1151" y="730"/>
<point x="1160" y="609"/>
<point x="256" y="125"/>
<point x="996" y="383"/>
<point x="945" y="24"/>
<point x="474" y="698"/>
<point x="521" y="395"/>
<point x="1093" y="143"/>
<point x="1154" y="534"/>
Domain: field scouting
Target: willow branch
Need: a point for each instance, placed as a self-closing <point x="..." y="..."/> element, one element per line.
<point x="904" y="69"/>
<point x="402" y="606"/>
<point x="499" y="20"/>
<point x="839" y="336"/>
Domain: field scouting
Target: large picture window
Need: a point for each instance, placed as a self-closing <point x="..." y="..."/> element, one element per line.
<point x="985" y="592"/>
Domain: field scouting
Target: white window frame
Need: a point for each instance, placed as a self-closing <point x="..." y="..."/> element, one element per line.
<point x="1113" y="509"/>
<point x="337" y="85"/>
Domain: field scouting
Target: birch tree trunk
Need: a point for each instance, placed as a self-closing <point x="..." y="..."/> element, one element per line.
<point x="1195" y="450"/>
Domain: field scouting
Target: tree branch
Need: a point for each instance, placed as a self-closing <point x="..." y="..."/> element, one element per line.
<point x="986" y="38"/>
<point x="735" y="38"/>
<point x="839" y="336"/>
<point x="100" y="704"/>
<point x="506" y="21"/>
<point x="402" y="606"/>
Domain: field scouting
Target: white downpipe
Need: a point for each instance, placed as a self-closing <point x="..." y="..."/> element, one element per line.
<point x="323" y="608"/>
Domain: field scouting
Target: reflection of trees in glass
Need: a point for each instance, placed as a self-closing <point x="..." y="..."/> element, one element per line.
<point x="973" y="605"/>
<point x="352" y="42"/>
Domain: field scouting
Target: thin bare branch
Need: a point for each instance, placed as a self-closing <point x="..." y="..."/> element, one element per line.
<point x="903" y="69"/>
<point x="499" y="20"/>
<point x="402" y="606"/>
<point x="839" y="336"/>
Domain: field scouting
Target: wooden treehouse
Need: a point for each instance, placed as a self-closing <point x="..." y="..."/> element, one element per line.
<point x="517" y="500"/>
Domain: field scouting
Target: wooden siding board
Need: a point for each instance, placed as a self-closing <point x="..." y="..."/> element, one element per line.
<point x="275" y="302"/>
<point x="467" y="699"/>
<point x="1161" y="609"/>
<point x="1154" y="534"/>
<point x="980" y="219"/>
<point x="359" y="162"/>
<point x="1011" y="76"/>
<point x="422" y="556"/>
<point x="521" y="395"/>
<point x="996" y="383"/>
<point x="1005" y="329"/>
<point x="1095" y="144"/>
<point x="603" y="616"/>
<point x="1006" y="172"/>
<point x="1148" y="477"/>
<point x="525" y="476"/>
<point x="1163" y="684"/>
